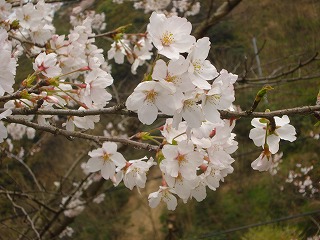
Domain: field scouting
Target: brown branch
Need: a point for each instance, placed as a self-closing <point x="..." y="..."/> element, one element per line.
<point x="290" y="111"/>
<point x="25" y="41"/>
<point x="290" y="71"/>
<point x="69" y="112"/>
<point x="276" y="81"/>
<point x="19" y="3"/>
<point x="225" y="8"/>
<point x="25" y="195"/>
<point x="118" y="109"/>
<point x="68" y="134"/>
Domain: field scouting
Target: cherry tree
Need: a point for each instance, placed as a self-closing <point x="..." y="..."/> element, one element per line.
<point x="71" y="87"/>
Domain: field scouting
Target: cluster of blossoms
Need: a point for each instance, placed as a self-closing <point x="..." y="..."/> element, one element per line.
<point x="114" y="166"/>
<point x="196" y="153"/>
<point x="35" y="22"/>
<point x="167" y="7"/>
<point x="97" y="19"/>
<point x="302" y="180"/>
<point x="193" y="160"/>
<point x="136" y="48"/>
<point x="267" y="135"/>
<point x="71" y="72"/>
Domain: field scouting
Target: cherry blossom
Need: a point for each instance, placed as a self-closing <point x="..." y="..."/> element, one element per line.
<point x="149" y="97"/>
<point x="190" y="111"/>
<point x="47" y="65"/>
<point x="163" y="194"/>
<point x="5" y="10"/>
<point x="135" y="172"/>
<point x="263" y="162"/>
<point x="118" y="50"/>
<point x="106" y="159"/>
<point x="283" y="130"/>
<point x="174" y="75"/>
<point x="141" y="53"/>
<point x="86" y="122"/>
<point x="200" y="69"/>
<point x="194" y="151"/>
<point x="170" y="133"/>
<point x="219" y="97"/>
<point x="181" y="159"/>
<point x="28" y="16"/>
<point x="96" y="82"/>
<point x="170" y="36"/>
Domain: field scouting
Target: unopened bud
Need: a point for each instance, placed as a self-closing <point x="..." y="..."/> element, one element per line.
<point x="203" y="167"/>
<point x="51" y="99"/>
<point x="86" y="68"/>
<point x="213" y="133"/>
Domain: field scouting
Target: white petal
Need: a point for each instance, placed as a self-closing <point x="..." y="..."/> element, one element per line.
<point x="118" y="159"/>
<point x="110" y="147"/>
<point x="108" y="170"/>
<point x="171" y="201"/>
<point x="258" y="136"/>
<point x="94" y="164"/>
<point x="273" y="142"/>
<point x="147" y="113"/>
<point x="154" y="199"/>
<point x="287" y="132"/>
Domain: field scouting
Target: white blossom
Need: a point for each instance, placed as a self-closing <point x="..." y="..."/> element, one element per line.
<point x="283" y="130"/>
<point x="170" y="36"/>
<point x="106" y="159"/>
<point x="163" y="194"/>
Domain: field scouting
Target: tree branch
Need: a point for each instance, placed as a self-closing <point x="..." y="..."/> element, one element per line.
<point x="118" y="109"/>
<point x="290" y="111"/>
<point x="292" y="70"/>
<point x="68" y="134"/>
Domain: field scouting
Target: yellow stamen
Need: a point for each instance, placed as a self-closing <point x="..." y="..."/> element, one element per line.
<point x="167" y="39"/>
<point x="151" y="96"/>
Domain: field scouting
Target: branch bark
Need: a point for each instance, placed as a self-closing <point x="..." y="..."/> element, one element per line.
<point x="119" y="110"/>
<point x="70" y="134"/>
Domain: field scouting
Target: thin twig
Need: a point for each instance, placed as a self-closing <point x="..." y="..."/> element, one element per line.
<point x="26" y="214"/>
<point x="27" y="167"/>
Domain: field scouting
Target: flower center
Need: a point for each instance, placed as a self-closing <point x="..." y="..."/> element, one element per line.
<point x="106" y="157"/>
<point x="167" y="38"/>
<point x="197" y="66"/>
<point x="188" y="103"/>
<point x="214" y="99"/>
<point x="181" y="158"/>
<point x="151" y="95"/>
<point x="170" y="78"/>
<point x="26" y="18"/>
